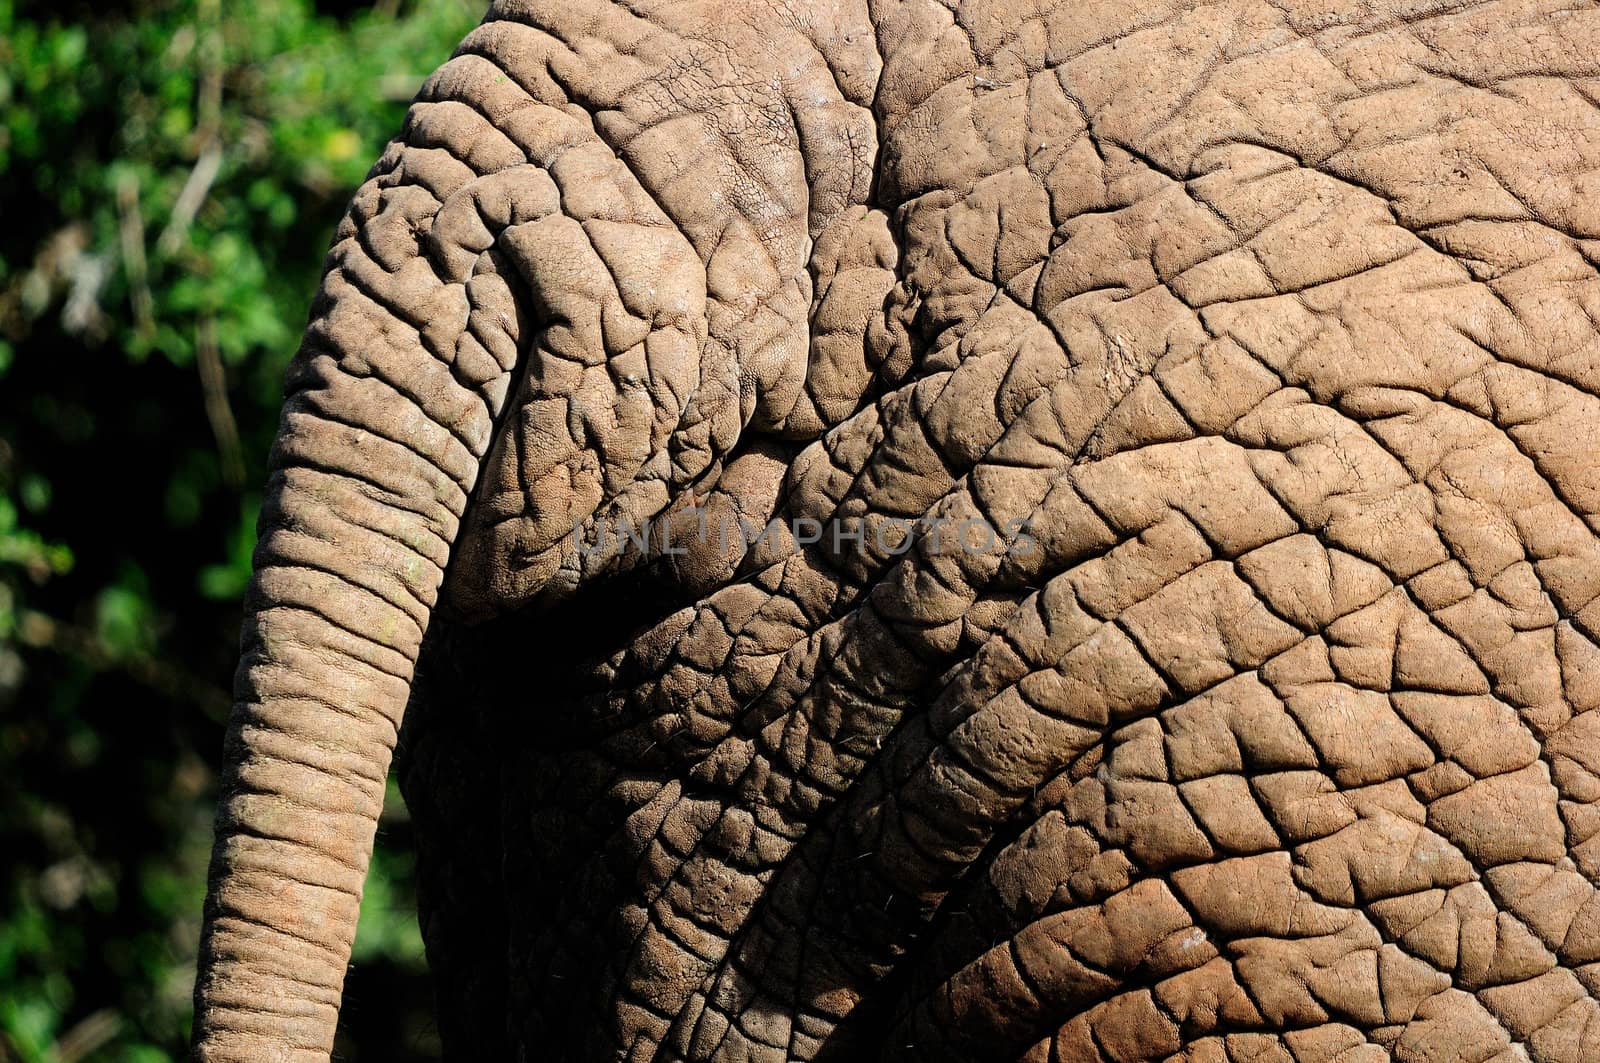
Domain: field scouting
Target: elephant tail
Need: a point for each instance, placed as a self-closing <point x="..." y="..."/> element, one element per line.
<point x="419" y="332"/>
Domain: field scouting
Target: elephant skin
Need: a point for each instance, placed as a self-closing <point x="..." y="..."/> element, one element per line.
<point x="1259" y="343"/>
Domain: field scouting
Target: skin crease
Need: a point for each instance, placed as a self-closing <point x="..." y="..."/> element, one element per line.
<point x="1265" y="336"/>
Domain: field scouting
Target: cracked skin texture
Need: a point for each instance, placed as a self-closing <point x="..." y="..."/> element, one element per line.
<point x="1274" y="737"/>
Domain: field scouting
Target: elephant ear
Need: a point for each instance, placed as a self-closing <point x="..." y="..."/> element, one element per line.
<point x="670" y="175"/>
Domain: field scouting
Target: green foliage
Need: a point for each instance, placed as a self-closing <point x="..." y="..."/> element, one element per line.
<point x="171" y="173"/>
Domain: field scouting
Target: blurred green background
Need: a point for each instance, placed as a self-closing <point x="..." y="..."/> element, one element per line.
<point x="170" y="175"/>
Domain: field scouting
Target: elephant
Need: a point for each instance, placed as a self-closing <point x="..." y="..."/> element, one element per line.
<point x="1160" y="614"/>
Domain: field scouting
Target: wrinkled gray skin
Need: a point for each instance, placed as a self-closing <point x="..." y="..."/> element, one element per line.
<point x="1256" y="344"/>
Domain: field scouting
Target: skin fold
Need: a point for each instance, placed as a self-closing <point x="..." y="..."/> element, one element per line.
<point x="1260" y="338"/>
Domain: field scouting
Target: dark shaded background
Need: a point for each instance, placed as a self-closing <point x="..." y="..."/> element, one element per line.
<point x="170" y="175"/>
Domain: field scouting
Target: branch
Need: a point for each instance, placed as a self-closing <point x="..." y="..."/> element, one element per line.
<point x="192" y="198"/>
<point x="130" y="229"/>
<point x="214" y="385"/>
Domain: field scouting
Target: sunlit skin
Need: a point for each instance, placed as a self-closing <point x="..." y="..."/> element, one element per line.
<point x="1272" y="327"/>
